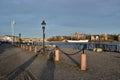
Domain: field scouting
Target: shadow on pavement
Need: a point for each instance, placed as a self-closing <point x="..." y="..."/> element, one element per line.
<point x="5" y="46"/>
<point x="48" y="71"/>
<point x="117" y="56"/>
<point x="71" y="58"/>
<point x="13" y="74"/>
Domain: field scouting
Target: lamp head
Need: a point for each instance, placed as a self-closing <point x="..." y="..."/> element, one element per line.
<point x="43" y="24"/>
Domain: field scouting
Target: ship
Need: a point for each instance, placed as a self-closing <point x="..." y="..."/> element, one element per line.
<point x="77" y="41"/>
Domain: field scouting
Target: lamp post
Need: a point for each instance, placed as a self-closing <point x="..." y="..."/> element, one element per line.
<point x="19" y="38"/>
<point x="12" y="27"/>
<point x="43" y="27"/>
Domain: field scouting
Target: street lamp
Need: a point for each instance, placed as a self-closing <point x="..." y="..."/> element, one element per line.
<point x="19" y="38"/>
<point x="12" y="27"/>
<point x="43" y="27"/>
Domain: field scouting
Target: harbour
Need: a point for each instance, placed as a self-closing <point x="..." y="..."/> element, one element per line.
<point x="59" y="40"/>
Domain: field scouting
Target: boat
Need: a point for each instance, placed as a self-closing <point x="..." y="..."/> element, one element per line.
<point x="77" y="41"/>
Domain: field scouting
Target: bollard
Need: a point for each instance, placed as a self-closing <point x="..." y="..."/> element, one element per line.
<point x="35" y="49"/>
<point x="56" y="55"/>
<point x="26" y="47"/>
<point x="21" y="46"/>
<point x="83" y="61"/>
<point x="30" y="48"/>
<point x="16" y="45"/>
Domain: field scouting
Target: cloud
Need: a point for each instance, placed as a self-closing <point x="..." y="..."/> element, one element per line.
<point x="73" y="15"/>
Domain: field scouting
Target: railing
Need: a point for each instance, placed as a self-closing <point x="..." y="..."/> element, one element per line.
<point x="105" y="46"/>
<point x="112" y="47"/>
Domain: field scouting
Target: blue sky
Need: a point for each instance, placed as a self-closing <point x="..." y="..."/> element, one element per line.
<point x="63" y="17"/>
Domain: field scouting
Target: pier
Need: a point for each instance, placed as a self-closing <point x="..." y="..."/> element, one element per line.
<point x="22" y="62"/>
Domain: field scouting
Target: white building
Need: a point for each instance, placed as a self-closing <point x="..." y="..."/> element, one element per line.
<point x="9" y="38"/>
<point x="6" y="38"/>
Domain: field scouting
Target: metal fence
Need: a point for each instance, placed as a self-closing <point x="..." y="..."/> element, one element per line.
<point x="106" y="46"/>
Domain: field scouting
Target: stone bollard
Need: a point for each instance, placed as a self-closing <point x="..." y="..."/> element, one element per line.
<point x="26" y="47"/>
<point x="83" y="61"/>
<point x="16" y="45"/>
<point x="30" y="48"/>
<point x="35" y="49"/>
<point x="56" y="55"/>
<point x="21" y="46"/>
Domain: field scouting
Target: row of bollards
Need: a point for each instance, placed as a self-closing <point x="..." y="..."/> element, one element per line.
<point x="29" y="48"/>
<point x="56" y="55"/>
<point x="83" y="59"/>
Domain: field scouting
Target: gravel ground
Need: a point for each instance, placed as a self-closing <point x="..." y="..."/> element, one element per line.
<point x="18" y="64"/>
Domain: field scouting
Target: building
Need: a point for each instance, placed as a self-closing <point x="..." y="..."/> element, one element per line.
<point x="8" y="38"/>
<point x="31" y="40"/>
<point x="77" y="36"/>
<point x="57" y="38"/>
<point x="95" y="37"/>
<point x="105" y="37"/>
<point x="92" y="38"/>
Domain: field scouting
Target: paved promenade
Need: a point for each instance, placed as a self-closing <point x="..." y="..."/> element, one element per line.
<point x="18" y="64"/>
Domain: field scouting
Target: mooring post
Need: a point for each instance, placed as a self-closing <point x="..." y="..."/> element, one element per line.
<point x="35" y="49"/>
<point x="83" y="61"/>
<point x="26" y="47"/>
<point x="30" y="48"/>
<point x="21" y="46"/>
<point x="56" y="54"/>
